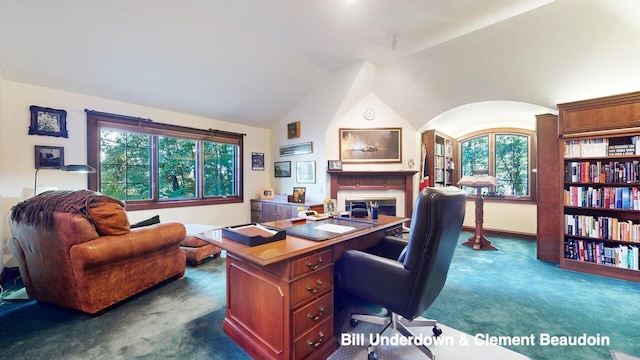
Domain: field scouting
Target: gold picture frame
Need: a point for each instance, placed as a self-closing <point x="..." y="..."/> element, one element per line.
<point x="372" y="145"/>
<point x="266" y="194"/>
<point x="293" y="130"/>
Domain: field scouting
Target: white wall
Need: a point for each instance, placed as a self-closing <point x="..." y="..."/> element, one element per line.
<point x="341" y="101"/>
<point x="315" y="112"/>
<point x="17" y="171"/>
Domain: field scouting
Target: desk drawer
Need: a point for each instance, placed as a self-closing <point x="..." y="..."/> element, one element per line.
<point x="256" y="216"/>
<point x="314" y="339"/>
<point x="312" y="314"/>
<point x="310" y="263"/>
<point x="256" y="206"/>
<point x="312" y="285"/>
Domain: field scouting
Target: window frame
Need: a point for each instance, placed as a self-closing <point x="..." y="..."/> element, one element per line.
<point x="98" y="120"/>
<point x="492" y="160"/>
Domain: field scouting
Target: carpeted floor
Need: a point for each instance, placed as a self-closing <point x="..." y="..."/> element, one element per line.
<point x="500" y="293"/>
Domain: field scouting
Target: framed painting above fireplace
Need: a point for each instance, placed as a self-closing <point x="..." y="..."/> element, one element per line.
<point x="374" y="145"/>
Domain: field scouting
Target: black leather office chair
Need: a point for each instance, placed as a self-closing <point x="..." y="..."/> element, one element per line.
<point x="405" y="277"/>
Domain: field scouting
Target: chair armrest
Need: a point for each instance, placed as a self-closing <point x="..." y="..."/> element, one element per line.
<point x="372" y="277"/>
<point x="107" y="249"/>
<point x="392" y="246"/>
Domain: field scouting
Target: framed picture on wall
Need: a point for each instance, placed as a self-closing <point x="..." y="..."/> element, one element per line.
<point x="375" y="145"/>
<point x="293" y="130"/>
<point x="47" y="121"/>
<point x="257" y="161"/>
<point x="282" y="168"/>
<point x="306" y="172"/>
<point x="49" y="157"/>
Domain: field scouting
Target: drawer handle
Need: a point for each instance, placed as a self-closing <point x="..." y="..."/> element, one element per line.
<point x="313" y="267"/>
<point x="317" y="343"/>
<point x="313" y="291"/>
<point x="316" y="317"/>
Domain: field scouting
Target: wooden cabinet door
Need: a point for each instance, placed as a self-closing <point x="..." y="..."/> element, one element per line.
<point x="269" y="212"/>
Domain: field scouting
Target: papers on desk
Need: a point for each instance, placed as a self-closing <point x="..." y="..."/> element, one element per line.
<point x="340" y="229"/>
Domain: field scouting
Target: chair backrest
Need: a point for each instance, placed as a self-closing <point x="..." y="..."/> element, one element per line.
<point x="436" y="223"/>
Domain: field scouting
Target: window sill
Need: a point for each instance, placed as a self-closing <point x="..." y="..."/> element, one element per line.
<point x="167" y="204"/>
<point x="522" y="200"/>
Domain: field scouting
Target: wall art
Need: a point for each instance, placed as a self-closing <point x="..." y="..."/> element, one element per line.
<point x="375" y="145"/>
<point x="49" y="122"/>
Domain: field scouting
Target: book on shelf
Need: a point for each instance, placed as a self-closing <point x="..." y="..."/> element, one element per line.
<point x="623" y="198"/>
<point x="621" y="256"/>
<point x="602" y="171"/>
<point x="622" y="146"/>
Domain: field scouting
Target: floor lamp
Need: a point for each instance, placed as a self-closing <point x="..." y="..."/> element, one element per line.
<point x="70" y="168"/>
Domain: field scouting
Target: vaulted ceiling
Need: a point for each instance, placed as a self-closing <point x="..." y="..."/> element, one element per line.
<point x="251" y="61"/>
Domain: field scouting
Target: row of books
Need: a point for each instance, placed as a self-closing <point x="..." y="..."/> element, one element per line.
<point x="585" y="148"/>
<point x="444" y="149"/>
<point x="622" y="256"/>
<point x="624" y="198"/>
<point x="601" y="227"/>
<point x="601" y="147"/>
<point x="602" y="171"/>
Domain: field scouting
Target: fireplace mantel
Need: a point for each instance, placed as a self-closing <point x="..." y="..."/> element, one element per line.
<point x="375" y="180"/>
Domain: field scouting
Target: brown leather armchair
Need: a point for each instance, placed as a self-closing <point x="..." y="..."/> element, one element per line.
<point x="68" y="263"/>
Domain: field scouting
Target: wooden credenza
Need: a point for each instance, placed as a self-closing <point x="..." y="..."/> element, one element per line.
<point x="270" y="210"/>
<point x="280" y="295"/>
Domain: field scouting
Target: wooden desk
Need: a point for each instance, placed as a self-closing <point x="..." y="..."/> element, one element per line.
<point x="280" y="294"/>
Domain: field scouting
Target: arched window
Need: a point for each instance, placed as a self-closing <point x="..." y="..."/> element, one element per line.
<point x="506" y="154"/>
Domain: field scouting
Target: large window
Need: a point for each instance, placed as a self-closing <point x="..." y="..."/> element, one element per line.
<point x="504" y="153"/>
<point x="151" y="165"/>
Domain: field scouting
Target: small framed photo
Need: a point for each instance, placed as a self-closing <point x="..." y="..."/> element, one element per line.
<point x="257" y="161"/>
<point x="299" y="194"/>
<point x="330" y="206"/>
<point x="293" y="130"/>
<point x="47" y="121"/>
<point x="334" y="165"/>
<point x="282" y="168"/>
<point x="306" y="172"/>
<point x="266" y="194"/>
<point x="49" y="157"/>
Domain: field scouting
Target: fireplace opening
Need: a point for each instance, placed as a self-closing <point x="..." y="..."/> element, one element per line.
<point x="386" y="206"/>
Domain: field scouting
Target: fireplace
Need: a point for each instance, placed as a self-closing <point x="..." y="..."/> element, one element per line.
<point x="386" y="206"/>
<point x="375" y="185"/>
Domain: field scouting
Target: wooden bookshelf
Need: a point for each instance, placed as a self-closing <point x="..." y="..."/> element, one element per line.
<point x="441" y="155"/>
<point x="600" y="177"/>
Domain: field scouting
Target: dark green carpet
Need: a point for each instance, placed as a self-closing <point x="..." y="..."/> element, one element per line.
<point x="502" y="293"/>
<point x="181" y="319"/>
<point x="511" y="293"/>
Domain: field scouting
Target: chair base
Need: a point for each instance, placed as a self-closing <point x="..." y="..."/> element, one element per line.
<point x="400" y="324"/>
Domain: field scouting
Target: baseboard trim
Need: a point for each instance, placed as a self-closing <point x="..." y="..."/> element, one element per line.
<point x="515" y="234"/>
